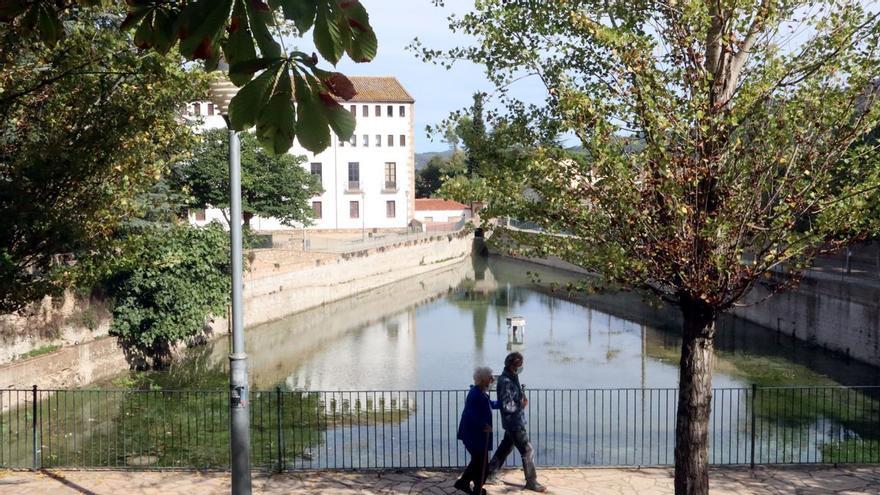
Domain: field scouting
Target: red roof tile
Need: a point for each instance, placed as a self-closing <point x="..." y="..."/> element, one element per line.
<point x="430" y="204"/>
<point x="373" y="89"/>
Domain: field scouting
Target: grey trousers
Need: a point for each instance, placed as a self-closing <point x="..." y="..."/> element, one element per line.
<point x="520" y="440"/>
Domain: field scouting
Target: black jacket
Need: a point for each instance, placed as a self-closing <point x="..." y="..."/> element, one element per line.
<point x="510" y="398"/>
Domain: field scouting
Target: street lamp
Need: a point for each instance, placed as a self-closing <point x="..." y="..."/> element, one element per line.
<point x="221" y="92"/>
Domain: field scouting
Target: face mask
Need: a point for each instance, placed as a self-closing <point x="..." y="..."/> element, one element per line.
<point x="519" y="370"/>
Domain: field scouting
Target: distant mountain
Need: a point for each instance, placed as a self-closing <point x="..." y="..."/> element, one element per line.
<point x="423" y="158"/>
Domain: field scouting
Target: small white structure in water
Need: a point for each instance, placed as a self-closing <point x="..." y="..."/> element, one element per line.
<point x="516" y="331"/>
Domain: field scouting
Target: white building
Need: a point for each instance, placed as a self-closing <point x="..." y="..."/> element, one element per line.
<point x="369" y="181"/>
<point x="440" y="214"/>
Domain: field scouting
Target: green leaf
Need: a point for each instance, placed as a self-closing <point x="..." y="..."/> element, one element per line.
<point x="251" y="98"/>
<point x="276" y="126"/>
<point x="163" y="31"/>
<point x="327" y="37"/>
<point x="133" y="17"/>
<point x="341" y="120"/>
<point x="209" y="18"/>
<point x="239" y="46"/>
<point x="11" y="9"/>
<point x="311" y="129"/>
<point x="364" y="46"/>
<point x="260" y="20"/>
<point x="254" y="65"/>
<point x="301" y="12"/>
<point x="51" y="29"/>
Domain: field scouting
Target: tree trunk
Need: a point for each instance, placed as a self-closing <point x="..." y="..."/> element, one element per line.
<point x="247" y="219"/>
<point x="694" y="401"/>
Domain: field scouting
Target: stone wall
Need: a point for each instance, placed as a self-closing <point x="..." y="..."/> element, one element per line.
<point x="839" y="313"/>
<point x="61" y="321"/>
<point x="269" y="294"/>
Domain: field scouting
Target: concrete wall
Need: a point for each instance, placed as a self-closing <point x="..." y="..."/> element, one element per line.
<point x="272" y="297"/>
<point x="269" y="295"/>
<point x="829" y="310"/>
<point x="839" y="313"/>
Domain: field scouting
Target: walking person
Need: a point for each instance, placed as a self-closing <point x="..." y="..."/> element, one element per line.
<point x="475" y="431"/>
<point x="513" y="402"/>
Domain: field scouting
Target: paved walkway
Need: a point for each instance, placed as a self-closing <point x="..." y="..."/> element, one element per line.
<point x="794" y="481"/>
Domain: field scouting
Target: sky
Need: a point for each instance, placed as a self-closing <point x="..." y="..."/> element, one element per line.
<point x="437" y="91"/>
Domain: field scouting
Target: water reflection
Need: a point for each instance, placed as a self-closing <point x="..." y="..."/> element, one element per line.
<point x="428" y="332"/>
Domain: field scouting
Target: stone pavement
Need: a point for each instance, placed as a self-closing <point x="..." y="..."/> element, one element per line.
<point x="775" y="481"/>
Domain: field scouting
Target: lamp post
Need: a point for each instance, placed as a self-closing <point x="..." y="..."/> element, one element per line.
<point x="221" y="92"/>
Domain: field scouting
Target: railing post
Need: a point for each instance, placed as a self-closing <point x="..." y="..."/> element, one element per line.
<point x="754" y="402"/>
<point x="279" y="410"/>
<point x="34" y="423"/>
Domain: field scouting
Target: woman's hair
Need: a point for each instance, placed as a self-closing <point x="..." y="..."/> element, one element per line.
<point x="482" y="372"/>
<point x="512" y="358"/>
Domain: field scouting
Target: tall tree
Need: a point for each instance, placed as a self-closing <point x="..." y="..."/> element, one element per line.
<point x="752" y="164"/>
<point x="86" y="127"/>
<point x="271" y="185"/>
<point x="47" y="50"/>
<point x="438" y="170"/>
<point x="472" y="130"/>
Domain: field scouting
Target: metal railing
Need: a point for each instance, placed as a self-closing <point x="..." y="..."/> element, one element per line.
<point x="144" y="429"/>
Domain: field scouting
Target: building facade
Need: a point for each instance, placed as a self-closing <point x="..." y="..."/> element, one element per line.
<point x="368" y="181"/>
<point x="440" y="214"/>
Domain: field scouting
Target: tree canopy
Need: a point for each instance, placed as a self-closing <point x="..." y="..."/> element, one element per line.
<point x="241" y="31"/>
<point x="753" y="163"/>
<point x="87" y="125"/>
<point x="271" y="185"/>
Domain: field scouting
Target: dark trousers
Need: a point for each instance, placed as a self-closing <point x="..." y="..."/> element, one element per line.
<point x="476" y="470"/>
<point x="520" y="440"/>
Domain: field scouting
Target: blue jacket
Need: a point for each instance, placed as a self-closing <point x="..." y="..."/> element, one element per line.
<point x="476" y="416"/>
<point x="510" y="396"/>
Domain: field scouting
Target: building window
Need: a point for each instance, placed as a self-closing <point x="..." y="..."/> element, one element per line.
<point x="316" y="170"/>
<point x="402" y="110"/>
<point x="390" y="175"/>
<point x="390" y="209"/>
<point x="378" y="110"/>
<point x="197" y="109"/>
<point x="390" y="111"/>
<point x="210" y="109"/>
<point x="366" y="140"/>
<point x="200" y="215"/>
<point x="354" y="176"/>
<point x="354" y="210"/>
<point x="317" y="211"/>
<point x="390" y="140"/>
<point x="403" y="139"/>
<point x="353" y="109"/>
<point x="353" y="141"/>
<point x="365" y="111"/>
<point x="378" y="140"/>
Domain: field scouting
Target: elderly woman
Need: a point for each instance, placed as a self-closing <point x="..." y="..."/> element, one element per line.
<point x="475" y="431"/>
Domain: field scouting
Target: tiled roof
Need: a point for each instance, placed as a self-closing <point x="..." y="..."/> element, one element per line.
<point x="371" y="89"/>
<point x="429" y="204"/>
